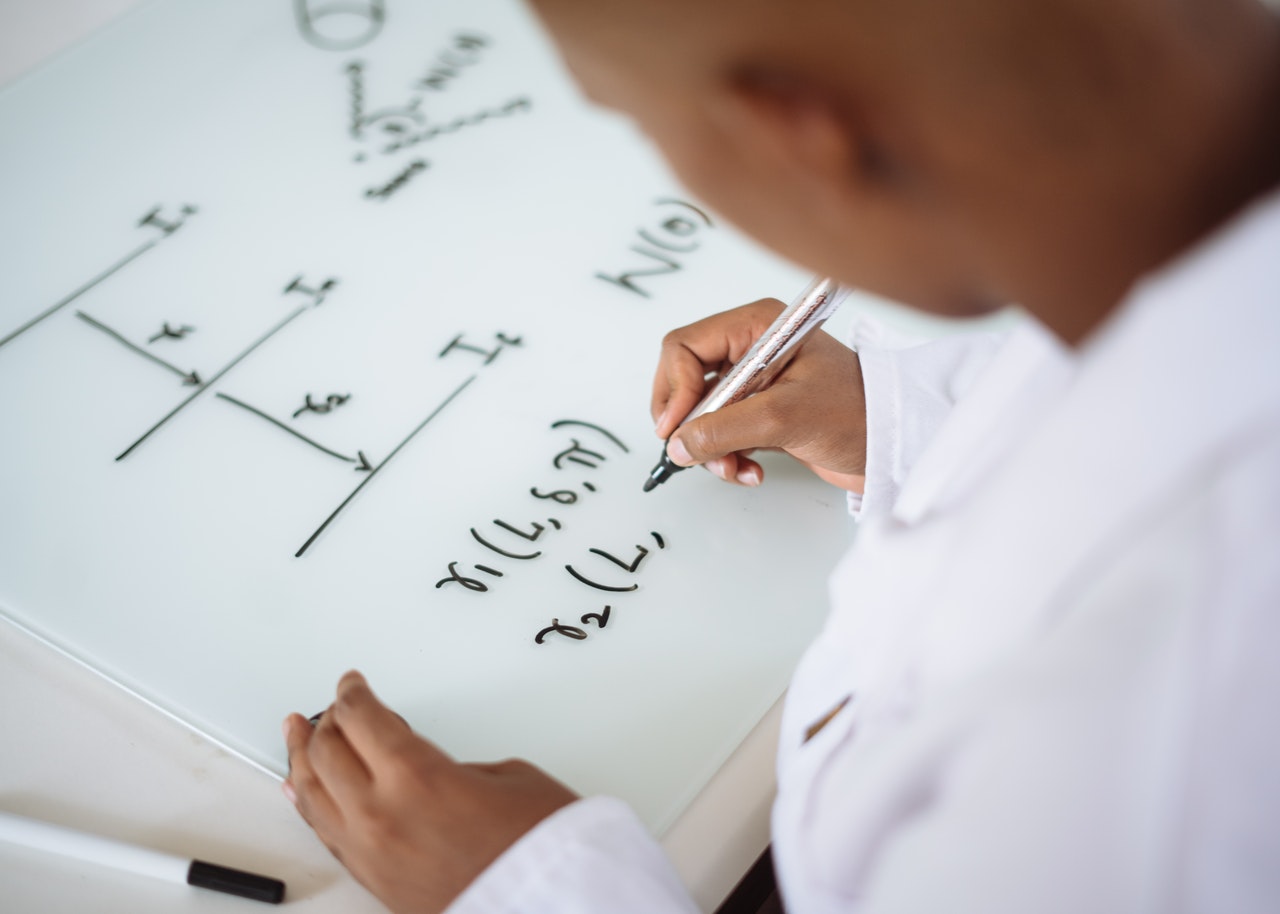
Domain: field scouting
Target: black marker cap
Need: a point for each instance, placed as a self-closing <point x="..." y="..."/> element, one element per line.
<point x="235" y="882"/>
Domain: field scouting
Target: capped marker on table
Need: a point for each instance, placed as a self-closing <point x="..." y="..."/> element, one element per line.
<point x="764" y="360"/>
<point x="140" y="860"/>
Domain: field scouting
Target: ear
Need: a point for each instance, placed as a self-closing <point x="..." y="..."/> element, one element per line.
<point x="803" y="126"/>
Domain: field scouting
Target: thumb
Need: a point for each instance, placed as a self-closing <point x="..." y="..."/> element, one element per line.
<point x="750" y="424"/>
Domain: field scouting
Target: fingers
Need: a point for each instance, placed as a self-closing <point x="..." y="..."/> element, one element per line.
<point x="814" y="410"/>
<point x="304" y="786"/>
<point x="689" y="353"/>
<point x="736" y="467"/>
<point x="413" y="832"/>
<point x="679" y="385"/>
<point x="375" y="733"/>
<point x="679" y="379"/>
<point x="752" y="423"/>
<point x="342" y="772"/>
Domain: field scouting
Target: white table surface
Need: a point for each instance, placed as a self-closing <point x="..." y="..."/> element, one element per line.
<point x="78" y="751"/>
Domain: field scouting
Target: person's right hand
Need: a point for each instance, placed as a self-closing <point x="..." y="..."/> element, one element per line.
<point x="814" y="410"/>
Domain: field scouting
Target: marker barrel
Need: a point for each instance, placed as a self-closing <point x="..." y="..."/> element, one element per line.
<point x="140" y="860"/>
<point x="92" y="848"/>
<point x="768" y="356"/>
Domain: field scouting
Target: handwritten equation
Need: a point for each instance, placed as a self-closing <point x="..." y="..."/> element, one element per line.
<point x="514" y="541"/>
<point x="586" y="448"/>
<point x="396" y="128"/>
<point x="664" y="244"/>
<point x="391" y="130"/>
<point x="338" y="335"/>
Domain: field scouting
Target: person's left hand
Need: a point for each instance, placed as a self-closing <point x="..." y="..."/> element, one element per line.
<point x="411" y="824"/>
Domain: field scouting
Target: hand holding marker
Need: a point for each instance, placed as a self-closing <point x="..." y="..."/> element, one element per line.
<point x="766" y="358"/>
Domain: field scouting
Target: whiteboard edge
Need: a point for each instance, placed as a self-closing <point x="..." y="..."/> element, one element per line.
<point x="106" y="677"/>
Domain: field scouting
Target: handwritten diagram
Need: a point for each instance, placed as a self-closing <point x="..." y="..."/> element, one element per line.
<point x="402" y="126"/>
<point x="334" y="349"/>
<point x="153" y="222"/>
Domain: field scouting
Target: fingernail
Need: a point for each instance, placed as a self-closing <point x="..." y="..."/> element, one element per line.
<point x="678" y="453"/>
<point x="285" y="725"/>
<point x="749" y="477"/>
<point x="657" y="423"/>
<point x="717" y="467"/>
<point x="287" y="789"/>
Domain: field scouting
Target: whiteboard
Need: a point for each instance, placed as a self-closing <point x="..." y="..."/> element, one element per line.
<point x="326" y="342"/>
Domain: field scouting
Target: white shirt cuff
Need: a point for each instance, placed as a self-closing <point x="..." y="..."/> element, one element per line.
<point x="910" y="388"/>
<point x="590" y="856"/>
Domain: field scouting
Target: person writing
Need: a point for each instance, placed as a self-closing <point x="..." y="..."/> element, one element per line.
<point x="1047" y="680"/>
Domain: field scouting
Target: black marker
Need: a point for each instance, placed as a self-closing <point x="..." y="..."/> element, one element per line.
<point x="140" y="860"/>
<point x="768" y="356"/>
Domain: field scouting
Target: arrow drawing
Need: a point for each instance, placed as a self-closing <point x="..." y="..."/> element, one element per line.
<point x="105" y="274"/>
<point x="190" y="378"/>
<point x="203" y="386"/>
<point x="151" y="219"/>
<point x="374" y="471"/>
<point x="363" y="462"/>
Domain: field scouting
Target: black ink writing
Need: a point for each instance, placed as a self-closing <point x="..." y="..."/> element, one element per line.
<point x="462" y="53"/>
<point x="515" y="106"/>
<point x="630" y="567"/>
<point x="563" y="423"/>
<point x="167" y="332"/>
<point x="355" y="99"/>
<point x="457" y="345"/>
<point x="569" y="631"/>
<point x="600" y="619"/>
<point x="377" y="469"/>
<point x="392" y="120"/>
<point x="663" y="244"/>
<point x="590" y="583"/>
<point x="153" y="219"/>
<point x="166" y="224"/>
<point x="316" y="293"/>
<point x="373" y="470"/>
<point x="331" y="402"/>
<point x="404" y="177"/>
<point x="560" y="496"/>
<point x="576" y="454"/>
<point x="502" y="552"/>
<point x="457" y="577"/>
<point x="391" y="129"/>
<point x="188" y="377"/>
<point x="317" y="296"/>
<point x="339" y="26"/>
<point x="362" y="463"/>
<point x="201" y="388"/>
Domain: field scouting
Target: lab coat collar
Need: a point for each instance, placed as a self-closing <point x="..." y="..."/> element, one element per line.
<point x="1190" y="361"/>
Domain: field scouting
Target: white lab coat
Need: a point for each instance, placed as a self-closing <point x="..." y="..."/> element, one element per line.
<point x="1058" y="631"/>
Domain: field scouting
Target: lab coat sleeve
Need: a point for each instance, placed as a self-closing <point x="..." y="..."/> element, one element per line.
<point x="910" y="387"/>
<point x="591" y="856"/>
